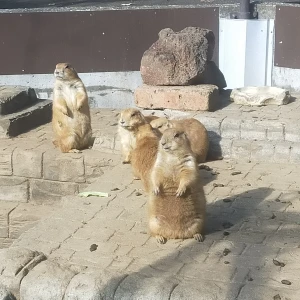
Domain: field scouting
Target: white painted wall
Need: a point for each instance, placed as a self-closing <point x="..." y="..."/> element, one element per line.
<point x="246" y="52"/>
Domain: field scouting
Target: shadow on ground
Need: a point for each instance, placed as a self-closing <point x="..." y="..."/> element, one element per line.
<point x="164" y="277"/>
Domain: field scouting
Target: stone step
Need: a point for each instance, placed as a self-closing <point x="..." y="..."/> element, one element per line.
<point x="38" y="113"/>
<point x="203" y="97"/>
<point x="14" y="98"/>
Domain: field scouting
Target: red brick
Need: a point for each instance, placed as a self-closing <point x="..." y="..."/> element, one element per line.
<point x="195" y="97"/>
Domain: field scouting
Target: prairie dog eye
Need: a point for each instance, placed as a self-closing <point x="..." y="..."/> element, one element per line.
<point x="134" y="114"/>
<point x="177" y="135"/>
<point x="67" y="67"/>
<point x="160" y="126"/>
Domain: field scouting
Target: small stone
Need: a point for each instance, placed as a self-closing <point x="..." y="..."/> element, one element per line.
<point x="236" y="173"/>
<point x="115" y="189"/>
<point x="138" y="194"/>
<point x="214" y="173"/>
<point x="248" y="184"/>
<point x="258" y="96"/>
<point x="273" y="216"/>
<point x="93" y="247"/>
<point x="277" y="200"/>
<point x="205" y="167"/>
<point x="286" y="282"/>
<point x="218" y="185"/>
<point x="226" y="251"/>
<point x="277" y="297"/>
<point x="226" y="200"/>
<point x="250" y="279"/>
<point x="278" y="263"/>
<point x="226" y="262"/>
<point x="225" y="233"/>
<point x="227" y="225"/>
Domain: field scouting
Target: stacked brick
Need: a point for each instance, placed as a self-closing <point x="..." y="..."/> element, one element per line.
<point x="21" y="110"/>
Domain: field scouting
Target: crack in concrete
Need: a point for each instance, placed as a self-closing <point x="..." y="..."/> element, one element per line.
<point x="118" y="285"/>
<point x="172" y="290"/>
<point x="8" y="220"/>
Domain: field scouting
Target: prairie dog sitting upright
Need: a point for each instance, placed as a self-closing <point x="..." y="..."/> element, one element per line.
<point x="129" y="121"/>
<point x="177" y="203"/>
<point x="143" y="156"/>
<point x="195" y="130"/>
<point x="71" y="119"/>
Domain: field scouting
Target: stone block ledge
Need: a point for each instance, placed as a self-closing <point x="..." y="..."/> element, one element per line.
<point x="203" y="97"/>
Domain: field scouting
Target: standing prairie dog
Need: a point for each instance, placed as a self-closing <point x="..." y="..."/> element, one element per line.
<point x="143" y="156"/>
<point x="196" y="133"/>
<point x="129" y="121"/>
<point x="177" y="203"/>
<point x="71" y="119"/>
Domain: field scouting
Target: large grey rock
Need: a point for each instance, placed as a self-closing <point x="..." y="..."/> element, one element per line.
<point x="93" y="285"/>
<point x="180" y="58"/>
<point x="14" y="98"/>
<point x="15" y="263"/>
<point x="35" y="115"/>
<point x="258" y="96"/>
<point x="48" y="281"/>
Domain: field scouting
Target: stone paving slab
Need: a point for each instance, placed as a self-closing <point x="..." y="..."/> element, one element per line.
<point x="100" y="246"/>
<point x="38" y="171"/>
<point x="253" y="214"/>
<point x="16" y="218"/>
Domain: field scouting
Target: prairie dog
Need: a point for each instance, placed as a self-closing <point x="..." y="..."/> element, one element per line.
<point x="177" y="203"/>
<point x="144" y="154"/>
<point x="129" y="121"/>
<point x="195" y="130"/>
<point x="71" y="119"/>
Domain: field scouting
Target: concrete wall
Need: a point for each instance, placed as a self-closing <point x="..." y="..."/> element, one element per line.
<point x="105" y="89"/>
<point x="246" y="55"/>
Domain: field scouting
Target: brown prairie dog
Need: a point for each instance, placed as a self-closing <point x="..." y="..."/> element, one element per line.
<point x="177" y="203"/>
<point x="196" y="133"/>
<point x="129" y="121"/>
<point x="144" y="154"/>
<point x="71" y="119"/>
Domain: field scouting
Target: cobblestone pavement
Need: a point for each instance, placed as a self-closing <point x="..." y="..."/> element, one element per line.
<point x="101" y="245"/>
